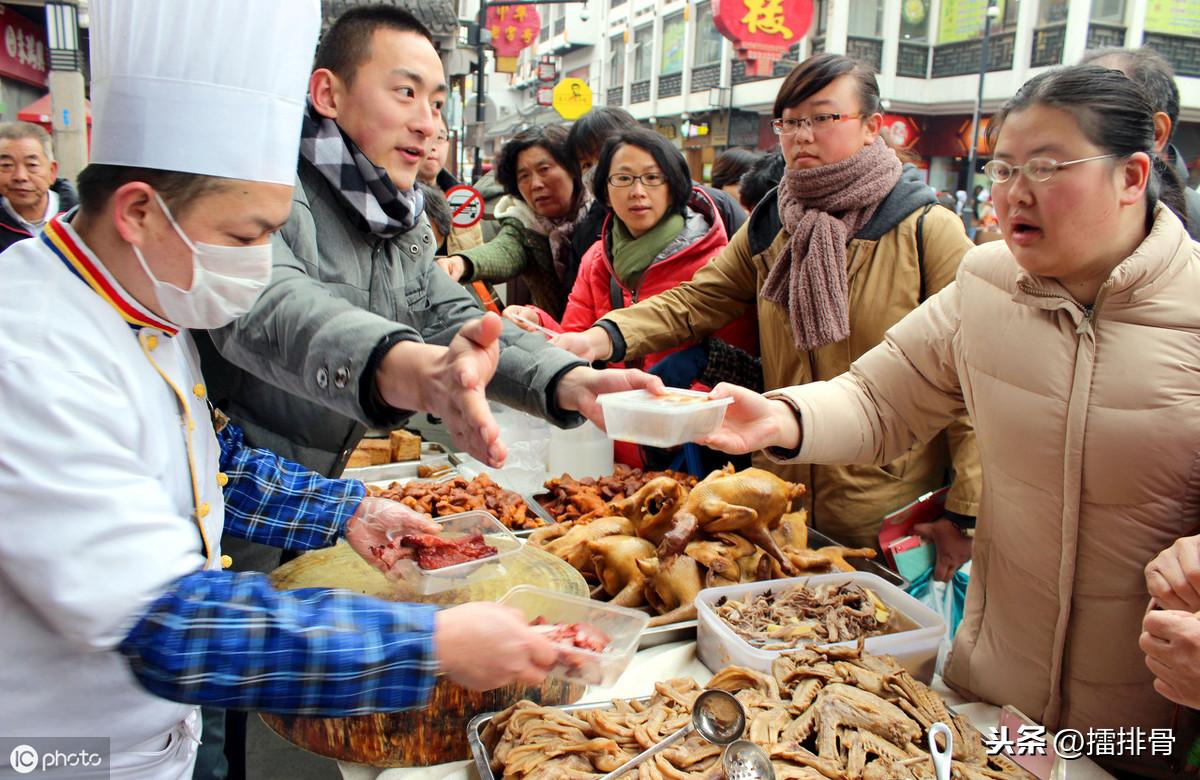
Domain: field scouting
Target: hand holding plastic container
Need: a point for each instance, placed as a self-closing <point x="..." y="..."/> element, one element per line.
<point x="667" y="420"/>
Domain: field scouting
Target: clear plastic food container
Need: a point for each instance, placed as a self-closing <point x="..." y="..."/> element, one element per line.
<point x="622" y="626"/>
<point x="667" y="420"/>
<point x="915" y="649"/>
<point x="460" y="575"/>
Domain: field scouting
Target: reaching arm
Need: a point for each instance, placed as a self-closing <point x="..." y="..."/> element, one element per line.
<point x="275" y="502"/>
<point x="302" y="652"/>
<point x="716" y="295"/>
<point x="499" y="260"/>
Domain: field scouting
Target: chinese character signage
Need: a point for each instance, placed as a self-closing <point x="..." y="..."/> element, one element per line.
<point x="762" y="30"/>
<point x="23" y="51"/>
<point x="513" y="28"/>
<point x="962" y="20"/>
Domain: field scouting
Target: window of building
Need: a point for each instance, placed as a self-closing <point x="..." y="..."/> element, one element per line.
<point x="1108" y="11"/>
<point x="671" y="56"/>
<point x="866" y="18"/>
<point x="914" y="21"/>
<point x="643" y="45"/>
<point x="1052" y="12"/>
<point x="707" y="50"/>
<point x="963" y="20"/>
<point x="820" y="17"/>
<point x="616" y="61"/>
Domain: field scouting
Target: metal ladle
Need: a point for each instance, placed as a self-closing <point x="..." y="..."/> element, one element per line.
<point x="744" y="760"/>
<point x="717" y="716"/>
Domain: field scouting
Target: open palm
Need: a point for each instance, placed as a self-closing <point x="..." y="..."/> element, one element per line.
<point x="751" y="422"/>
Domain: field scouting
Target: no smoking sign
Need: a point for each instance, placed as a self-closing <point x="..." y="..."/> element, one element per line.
<point x="466" y="206"/>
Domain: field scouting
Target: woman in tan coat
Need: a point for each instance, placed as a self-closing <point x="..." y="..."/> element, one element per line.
<point x="847" y="245"/>
<point x="1074" y="346"/>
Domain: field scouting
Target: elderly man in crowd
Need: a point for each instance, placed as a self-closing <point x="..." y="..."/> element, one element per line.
<point x="31" y="191"/>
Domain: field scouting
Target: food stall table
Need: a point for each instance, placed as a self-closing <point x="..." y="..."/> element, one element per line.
<point x="679" y="660"/>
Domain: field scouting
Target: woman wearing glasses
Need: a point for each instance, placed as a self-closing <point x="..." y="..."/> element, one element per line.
<point x="847" y="245"/>
<point x="1073" y="344"/>
<point x="659" y="230"/>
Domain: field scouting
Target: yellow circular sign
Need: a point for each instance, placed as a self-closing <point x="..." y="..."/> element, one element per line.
<point x="572" y="98"/>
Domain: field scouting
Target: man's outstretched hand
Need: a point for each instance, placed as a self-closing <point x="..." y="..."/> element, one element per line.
<point x="450" y="382"/>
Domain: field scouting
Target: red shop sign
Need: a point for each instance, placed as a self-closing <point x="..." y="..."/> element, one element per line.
<point x="513" y="28"/>
<point x="762" y="30"/>
<point x="22" y="49"/>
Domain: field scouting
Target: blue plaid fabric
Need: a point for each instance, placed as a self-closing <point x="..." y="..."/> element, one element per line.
<point x="278" y="503"/>
<point x="231" y="640"/>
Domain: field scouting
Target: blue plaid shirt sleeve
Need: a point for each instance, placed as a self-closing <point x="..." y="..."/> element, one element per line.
<point x="229" y="639"/>
<point x="275" y="502"/>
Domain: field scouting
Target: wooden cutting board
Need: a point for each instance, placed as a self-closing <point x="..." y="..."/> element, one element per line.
<point x="437" y="733"/>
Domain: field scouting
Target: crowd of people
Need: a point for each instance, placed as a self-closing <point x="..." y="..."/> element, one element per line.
<point x="199" y="330"/>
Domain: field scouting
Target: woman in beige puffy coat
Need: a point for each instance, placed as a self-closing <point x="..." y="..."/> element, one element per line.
<point x="1074" y="344"/>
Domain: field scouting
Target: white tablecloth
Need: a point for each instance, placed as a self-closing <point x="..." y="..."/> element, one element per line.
<point x="679" y="660"/>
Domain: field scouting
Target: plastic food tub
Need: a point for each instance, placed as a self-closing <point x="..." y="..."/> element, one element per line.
<point x="622" y="626"/>
<point x="427" y="581"/>
<point x="668" y="420"/>
<point x="916" y="649"/>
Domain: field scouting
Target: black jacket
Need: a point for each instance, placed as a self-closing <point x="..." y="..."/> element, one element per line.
<point x="12" y="231"/>
<point x="588" y="229"/>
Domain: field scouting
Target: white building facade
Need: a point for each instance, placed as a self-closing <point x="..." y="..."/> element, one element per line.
<point x="665" y="62"/>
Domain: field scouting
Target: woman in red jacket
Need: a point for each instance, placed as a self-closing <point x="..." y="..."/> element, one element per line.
<point x="659" y="231"/>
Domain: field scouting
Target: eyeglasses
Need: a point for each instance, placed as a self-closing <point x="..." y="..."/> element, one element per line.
<point x="653" y="179"/>
<point x="1036" y="169"/>
<point x="816" y="122"/>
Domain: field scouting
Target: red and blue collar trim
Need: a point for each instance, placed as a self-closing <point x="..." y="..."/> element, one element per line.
<point x="75" y="256"/>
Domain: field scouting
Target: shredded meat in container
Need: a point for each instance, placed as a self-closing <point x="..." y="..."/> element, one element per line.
<point x="829" y="612"/>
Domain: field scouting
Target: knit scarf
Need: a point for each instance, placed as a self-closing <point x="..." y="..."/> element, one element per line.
<point x="559" y="231"/>
<point x="374" y="202"/>
<point x="632" y="256"/>
<point x="822" y="209"/>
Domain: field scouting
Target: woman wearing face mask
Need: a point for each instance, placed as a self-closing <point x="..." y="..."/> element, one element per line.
<point x="537" y="217"/>
<point x="845" y="247"/>
<point x="1073" y="345"/>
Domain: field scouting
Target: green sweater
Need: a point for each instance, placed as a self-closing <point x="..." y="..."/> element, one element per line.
<point x="519" y="251"/>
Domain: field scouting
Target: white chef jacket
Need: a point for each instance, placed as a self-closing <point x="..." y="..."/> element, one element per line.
<point x="108" y="472"/>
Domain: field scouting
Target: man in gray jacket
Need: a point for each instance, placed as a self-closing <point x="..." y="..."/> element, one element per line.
<point x="345" y="337"/>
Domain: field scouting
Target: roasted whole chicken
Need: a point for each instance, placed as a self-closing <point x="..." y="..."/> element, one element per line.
<point x="658" y="546"/>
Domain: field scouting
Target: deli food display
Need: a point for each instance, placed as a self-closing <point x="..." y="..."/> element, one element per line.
<point x="455" y="495"/>
<point x="820" y="714"/>
<point x="661" y="545"/>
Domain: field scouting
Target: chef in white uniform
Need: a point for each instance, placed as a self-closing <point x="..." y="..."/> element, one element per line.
<point x="115" y="488"/>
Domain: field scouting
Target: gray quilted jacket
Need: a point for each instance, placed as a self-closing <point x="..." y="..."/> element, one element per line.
<point x="296" y="372"/>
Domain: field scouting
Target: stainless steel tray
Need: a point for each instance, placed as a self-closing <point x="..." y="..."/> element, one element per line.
<point x="479" y="751"/>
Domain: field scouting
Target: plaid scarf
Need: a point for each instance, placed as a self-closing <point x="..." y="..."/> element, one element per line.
<point x="374" y="202"/>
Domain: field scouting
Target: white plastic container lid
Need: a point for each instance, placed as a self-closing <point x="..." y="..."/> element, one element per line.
<point x="668" y="420"/>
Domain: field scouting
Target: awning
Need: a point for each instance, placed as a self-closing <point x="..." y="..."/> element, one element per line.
<point x="38" y="112"/>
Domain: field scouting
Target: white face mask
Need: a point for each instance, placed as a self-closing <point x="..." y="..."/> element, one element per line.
<point x="226" y="281"/>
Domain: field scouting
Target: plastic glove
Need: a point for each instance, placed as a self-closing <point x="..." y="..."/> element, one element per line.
<point x="683" y="368"/>
<point x="367" y="531"/>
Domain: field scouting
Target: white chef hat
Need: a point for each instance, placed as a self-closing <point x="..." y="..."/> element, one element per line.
<point x="213" y="87"/>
